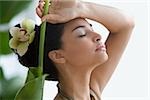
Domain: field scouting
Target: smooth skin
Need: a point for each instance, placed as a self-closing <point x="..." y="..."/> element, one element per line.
<point x="81" y="67"/>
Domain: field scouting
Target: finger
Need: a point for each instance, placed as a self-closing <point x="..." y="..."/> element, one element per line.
<point x="41" y="6"/>
<point x="52" y="18"/>
<point x="45" y="17"/>
<point x="41" y="0"/>
<point x="39" y="12"/>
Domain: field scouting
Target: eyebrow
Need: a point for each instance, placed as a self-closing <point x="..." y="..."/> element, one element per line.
<point x="80" y="26"/>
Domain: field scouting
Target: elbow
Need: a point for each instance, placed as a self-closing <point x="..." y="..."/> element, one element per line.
<point x="124" y="23"/>
<point x="128" y="23"/>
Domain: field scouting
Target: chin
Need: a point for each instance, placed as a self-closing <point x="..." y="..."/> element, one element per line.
<point x="102" y="59"/>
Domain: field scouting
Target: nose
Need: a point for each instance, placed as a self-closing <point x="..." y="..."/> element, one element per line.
<point x="97" y="37"/>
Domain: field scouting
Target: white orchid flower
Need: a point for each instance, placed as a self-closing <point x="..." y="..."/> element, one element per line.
<point x="22" y="37"/>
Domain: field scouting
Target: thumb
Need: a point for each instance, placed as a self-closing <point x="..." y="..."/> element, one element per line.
<point x="45" y="18"/>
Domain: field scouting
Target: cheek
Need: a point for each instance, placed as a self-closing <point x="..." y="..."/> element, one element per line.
<point x="86" y="56"/>
<point x="81" y="54"/>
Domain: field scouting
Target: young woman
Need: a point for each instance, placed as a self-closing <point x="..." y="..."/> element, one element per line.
<point x="75" y="56"/>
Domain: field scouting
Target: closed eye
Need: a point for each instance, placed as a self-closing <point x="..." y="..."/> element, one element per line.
<point x="82" y="35"/>
<point x="81" y="32"/>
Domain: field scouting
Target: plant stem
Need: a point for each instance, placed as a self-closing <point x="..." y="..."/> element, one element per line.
<point x="42" y="38"/>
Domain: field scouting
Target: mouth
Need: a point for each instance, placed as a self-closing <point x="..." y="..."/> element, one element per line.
<point x="101" y="47"/>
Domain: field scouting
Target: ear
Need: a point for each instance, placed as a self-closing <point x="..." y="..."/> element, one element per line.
<point x="56" y="56"/>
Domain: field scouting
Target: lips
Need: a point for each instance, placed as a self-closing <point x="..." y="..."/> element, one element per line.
<point x="100" y="47"/>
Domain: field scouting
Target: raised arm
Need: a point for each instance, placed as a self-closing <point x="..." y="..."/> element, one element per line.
<point x="120" y="27"/>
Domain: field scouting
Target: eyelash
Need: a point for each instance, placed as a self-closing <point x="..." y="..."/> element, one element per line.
<point x="80" y="36"/>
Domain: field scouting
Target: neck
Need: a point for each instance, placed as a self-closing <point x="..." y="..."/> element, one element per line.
<point x="75" y="84"/>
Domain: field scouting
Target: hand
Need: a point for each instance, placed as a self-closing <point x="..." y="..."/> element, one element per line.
<point x="60" y="11"/>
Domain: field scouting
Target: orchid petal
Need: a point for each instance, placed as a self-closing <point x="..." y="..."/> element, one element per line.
<point x="22" y="48"/>
<point x="32" y="35"/>
<point x="28" y="24"/>
<point x="13" y="43"/>
<point x="24" y="38"/>
<point x="14" y="31"/>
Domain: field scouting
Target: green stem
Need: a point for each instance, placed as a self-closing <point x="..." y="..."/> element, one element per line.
<point x="42" y="38"/>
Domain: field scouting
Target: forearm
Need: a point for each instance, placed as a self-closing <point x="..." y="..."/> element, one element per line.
<point x="113" y="19"/>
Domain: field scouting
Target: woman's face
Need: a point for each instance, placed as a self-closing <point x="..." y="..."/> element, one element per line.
<point x="82" y="46"/>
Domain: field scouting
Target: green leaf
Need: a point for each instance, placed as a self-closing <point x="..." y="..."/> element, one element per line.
<point x="1" y="74"/>
<point x="10" y="8"/>
<point x="32" y="90"/>
<point x="4" y="43"/>
<point x="33" y="72"/>
<point x="8" y="87"/>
